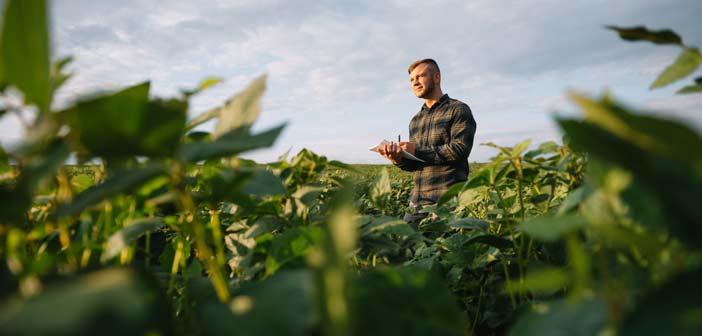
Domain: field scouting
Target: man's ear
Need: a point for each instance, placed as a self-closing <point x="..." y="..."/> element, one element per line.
<point x="437" y="77"/>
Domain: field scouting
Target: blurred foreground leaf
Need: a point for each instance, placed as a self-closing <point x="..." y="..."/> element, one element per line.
<point x="561" y="317"/>
<point x="130" y="233"/>
<point x="108" y="302"/>
<point x="687" y="62"/>
<point x="641" y="33"/>
<point x="24" y="50"/>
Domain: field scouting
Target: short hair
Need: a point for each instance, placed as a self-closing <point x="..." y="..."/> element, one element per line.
<point x="423" y="61"/>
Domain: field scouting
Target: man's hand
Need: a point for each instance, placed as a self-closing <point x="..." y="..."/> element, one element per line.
<point x="392" y="151"/>
<point x="408" y="147"/>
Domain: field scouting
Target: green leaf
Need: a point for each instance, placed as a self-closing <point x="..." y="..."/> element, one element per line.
<point x="676" y="186"/>
<point x="692" y="88"/>
<point x="107" y="302"/>
<point x="126" y="123"/>
<point x="130" y="233"/>
<point x="230" y="144"/>
<point x="470" y="223"/>
<point x="672" y="309"/>
<point x="204" y="84"/>
<point x="386" y="225"/>
<point x="242" y="110"/>
<point x="4" y="161"/>
<point x="542" y="281"/>
<point x="122" y="182"/>
<point x="687" y="62"/>
<point x="24" y="51"/>
<point x="279" y="305"/>
<point x="451" y="193"/>
<point x="291" y="245"/>
<point x="666" y="137"/>
<point x="379" y="301"/>
<point x="263" y="183"/>
<point x="58" y="77"/>
<point x="561" y="317"/>
<point x="641" y="33"/>
<point x="546" y="147"/>
<point x="552" y="228"/>
<point x="381" y="189"/>
<point x="518" y="149"/>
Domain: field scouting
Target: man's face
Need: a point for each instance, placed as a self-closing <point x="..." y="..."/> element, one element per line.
<point x="423" y="80"/>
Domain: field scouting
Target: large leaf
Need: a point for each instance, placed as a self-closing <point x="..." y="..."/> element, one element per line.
<point x="666" y="137"/>
<point x="130" y="233"/>
<point x="24" y="50"/>
<point x="126" y="123"/>
<point x="291" y="245"/>
<point x="121" y="182"/>
<point x="470" y="223"/>
<point x="641" y="33"/>
<point x="380" y="304"/>
<point x="676" y="186"/>
<point x="280" y="305"/>
<point x="381" y="189"/>
<point x="241" y="110"/>
<point x="552" y="228"/>
<point x="107" y="302"/>
<point x="232" y="143"/>
<point x="561" y="317"/>
<point x="263" y="183"/>
<point x="672" y="309"/>
<point x="686" y="63"/>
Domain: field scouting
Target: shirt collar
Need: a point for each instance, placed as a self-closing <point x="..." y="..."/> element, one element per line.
<point x="441" y="100"/>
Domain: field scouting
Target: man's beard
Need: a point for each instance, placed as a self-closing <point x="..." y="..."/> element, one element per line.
<point x="428" y="90"/>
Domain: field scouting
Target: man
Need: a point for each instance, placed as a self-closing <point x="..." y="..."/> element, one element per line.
<point x="441" y="134"/>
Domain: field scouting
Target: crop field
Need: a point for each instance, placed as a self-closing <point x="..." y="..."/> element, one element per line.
<point x="160" y="230"/>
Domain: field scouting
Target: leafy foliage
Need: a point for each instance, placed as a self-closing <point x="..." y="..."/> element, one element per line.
<point x="172" y="233"/>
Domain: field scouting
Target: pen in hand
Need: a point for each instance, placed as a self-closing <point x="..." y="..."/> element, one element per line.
<point x="398" y="138"/>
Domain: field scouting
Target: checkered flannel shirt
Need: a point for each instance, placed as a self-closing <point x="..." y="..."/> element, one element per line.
<point x="443" y="136"/>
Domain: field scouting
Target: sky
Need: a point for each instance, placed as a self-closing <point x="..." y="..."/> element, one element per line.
<point x="337" y="70"/>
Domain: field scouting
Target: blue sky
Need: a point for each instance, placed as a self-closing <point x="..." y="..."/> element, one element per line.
<point x="337" y="70"/>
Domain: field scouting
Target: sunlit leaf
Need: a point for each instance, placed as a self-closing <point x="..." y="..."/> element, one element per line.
<point x="241" y="110"/>
<point x="641" y="33"/>
<point x="130" y="233"/>
<point x="692" y="88"/>
<point x="24" y="50"/>
<point x="518" y="149"/>
<point x="204" y="84"/>
<point x="687" y="62"/>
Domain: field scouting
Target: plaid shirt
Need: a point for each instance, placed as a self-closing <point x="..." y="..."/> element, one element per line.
<point x="443" y="136"/>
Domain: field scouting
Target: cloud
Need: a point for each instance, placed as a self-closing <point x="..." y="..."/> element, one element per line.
<point x="337" y="70"/>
